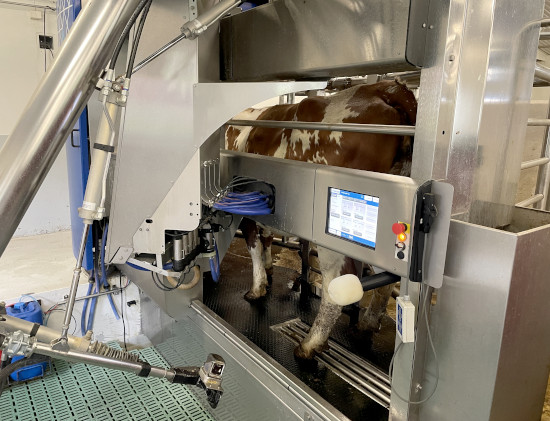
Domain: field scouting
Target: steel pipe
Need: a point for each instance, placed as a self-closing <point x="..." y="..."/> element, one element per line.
<point x="9" y="324"/>
<point x="538" y="122"/>
<point x="534" y="163"/>
<point x="333" y="127"/>
<point x="48" y="119"/>
<point x="533" y="199"/>
<point x="102" y="361"/>
<point x="542" y="73"/>
<point x="544" y="36"/>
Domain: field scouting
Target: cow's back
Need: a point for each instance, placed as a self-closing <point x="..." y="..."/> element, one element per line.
<point x="388" y="102"/>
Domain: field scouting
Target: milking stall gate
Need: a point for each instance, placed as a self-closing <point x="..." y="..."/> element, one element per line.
<point x="478" y="280"/>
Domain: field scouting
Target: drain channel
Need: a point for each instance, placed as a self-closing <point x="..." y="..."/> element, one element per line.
<point x="356" y="371"/>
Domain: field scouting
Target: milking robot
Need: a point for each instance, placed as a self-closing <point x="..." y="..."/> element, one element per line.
<point x="202" y="62"/>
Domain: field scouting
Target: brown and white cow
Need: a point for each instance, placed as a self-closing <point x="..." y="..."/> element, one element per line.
<point x="387" y="102"/>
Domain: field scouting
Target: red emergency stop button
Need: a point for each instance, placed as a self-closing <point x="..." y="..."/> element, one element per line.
<point x="398" y="228"/>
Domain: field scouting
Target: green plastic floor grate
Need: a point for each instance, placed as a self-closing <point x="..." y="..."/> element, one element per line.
<point x="82" y="392"/>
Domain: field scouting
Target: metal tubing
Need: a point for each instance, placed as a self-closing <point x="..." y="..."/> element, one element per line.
<point x="74" y="283"/>
<point x="543" y="177"/>
<point x="336" y="127"/>
<point x="45" y="334"/>
<point x="88" y="358"/>
<point x="538" y="122"/>
<point x="96" y="184"/>
<point x="102" y="361"/>
<point x="534" y="163"/>
<point x="544" y="36"/>
<point x="40" y="133"/>
<point x="379" y="280"/>
<point x="533" y="199"/>
<point x="158" y="53"/>
<point x="542" y="73"/>
<point x="344" y="352"/>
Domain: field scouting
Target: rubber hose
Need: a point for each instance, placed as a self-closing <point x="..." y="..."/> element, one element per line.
<point x="9" y="369"/>
<point x="193" y="283"/>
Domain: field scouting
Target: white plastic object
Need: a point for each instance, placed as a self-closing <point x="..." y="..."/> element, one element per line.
<point x="405" y="319"/>
<point x="345" y="290"/>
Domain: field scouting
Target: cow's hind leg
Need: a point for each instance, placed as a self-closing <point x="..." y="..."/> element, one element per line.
<point x="255" y="248"/>
<point x="266" y="237"/>
<point x="332" y="265"/>
<point x="377" y="308"/>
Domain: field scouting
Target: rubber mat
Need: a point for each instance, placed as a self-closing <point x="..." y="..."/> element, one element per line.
<point x="74" y="391"/>
<point x="254" y="320"/>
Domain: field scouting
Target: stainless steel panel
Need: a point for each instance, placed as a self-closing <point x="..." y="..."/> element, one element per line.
<point x="477" y="85"/>
<point x="317" y="38"/>
<point x="490" y="323"/>
<point x="157" y="142"/>
<point x="301" y="202"/>
<point x="294" y="183"/>
<point x="396" y="204"/>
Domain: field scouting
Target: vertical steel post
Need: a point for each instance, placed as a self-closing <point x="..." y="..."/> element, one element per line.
<point x="40" y="133"/>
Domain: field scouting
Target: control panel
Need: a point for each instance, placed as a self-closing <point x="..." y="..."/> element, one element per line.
<point x="371" y="217"/>
<point x="402" y="231"/>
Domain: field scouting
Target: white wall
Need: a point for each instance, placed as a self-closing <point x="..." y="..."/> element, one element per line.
<point x="21" y="69"/>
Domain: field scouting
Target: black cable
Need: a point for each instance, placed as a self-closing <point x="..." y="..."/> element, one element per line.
<point x="137" y="37"/>
<point x="125" y="33"/>
<point x="6" y="371"/>
<point x="45" y="56"/>
<point x="122" y="310"/>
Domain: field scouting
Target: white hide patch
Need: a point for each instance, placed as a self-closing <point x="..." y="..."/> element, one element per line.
<point x="282" y="149"/>
<point x="338" y="110"/>
<point x="241" y="142"/>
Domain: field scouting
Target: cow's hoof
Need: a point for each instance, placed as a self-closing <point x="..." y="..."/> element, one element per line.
<point x="369" y="325"/>
<point x="253" y="296"/>
<point x="303" y="354"/>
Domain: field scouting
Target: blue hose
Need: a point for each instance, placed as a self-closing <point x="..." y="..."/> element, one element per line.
<point x="215" y="265"/>
<point x="93" y="302"/>
<point x="103" y="271"/>
<point x="247" y="203"/>
<point x="84" y="309"/>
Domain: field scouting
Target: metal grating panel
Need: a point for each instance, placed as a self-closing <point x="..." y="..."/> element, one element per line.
<point x="82" y="392"/>
<point x="544" y="46"/>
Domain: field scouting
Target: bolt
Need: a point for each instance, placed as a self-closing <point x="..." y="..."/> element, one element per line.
<point x="190" y="203"/>
<point x="147" y="229"/>
<point x="431" y="27"/>
<point x="423" y="25"/>
<point x="418" y="388"/>
<point x="452" y="57"/>
<point x="141" y="229"/>
<point x="191" y="214"/>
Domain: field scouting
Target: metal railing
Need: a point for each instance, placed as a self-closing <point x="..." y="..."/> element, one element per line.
<point x="540" y="198"/>
<point x="336" y="127"/>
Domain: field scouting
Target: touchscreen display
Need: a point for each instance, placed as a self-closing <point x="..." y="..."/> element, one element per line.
<point x="352" y="216"/>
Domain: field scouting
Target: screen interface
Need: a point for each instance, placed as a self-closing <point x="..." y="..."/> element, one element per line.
<point x="353" y="216"/>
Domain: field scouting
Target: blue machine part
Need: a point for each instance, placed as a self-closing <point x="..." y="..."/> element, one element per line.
<point x="31" y="312"/>
<point x="78" y="160"/>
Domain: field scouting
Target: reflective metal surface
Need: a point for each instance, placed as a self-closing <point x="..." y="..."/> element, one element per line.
<point x="38" y="136"/>
<point x="338" y="127"/>
<point x="307" y="217"/>
<point x="478" y="86"/>
<point x="293" y="39"/>
<point x="490" y="323"/>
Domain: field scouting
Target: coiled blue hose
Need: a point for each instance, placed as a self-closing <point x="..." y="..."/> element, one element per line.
<point x="247" y="203"/>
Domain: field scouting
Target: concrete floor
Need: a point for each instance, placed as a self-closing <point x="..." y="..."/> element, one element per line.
<point x="32" y="265"/>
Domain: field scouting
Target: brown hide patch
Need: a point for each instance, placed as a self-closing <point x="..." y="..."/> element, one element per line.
<point x="387" y="102"/>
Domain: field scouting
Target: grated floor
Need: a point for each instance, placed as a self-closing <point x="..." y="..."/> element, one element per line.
<point x="74" y="391"/>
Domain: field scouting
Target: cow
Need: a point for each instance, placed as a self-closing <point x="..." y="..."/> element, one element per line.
<point x="386" y="102"/>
